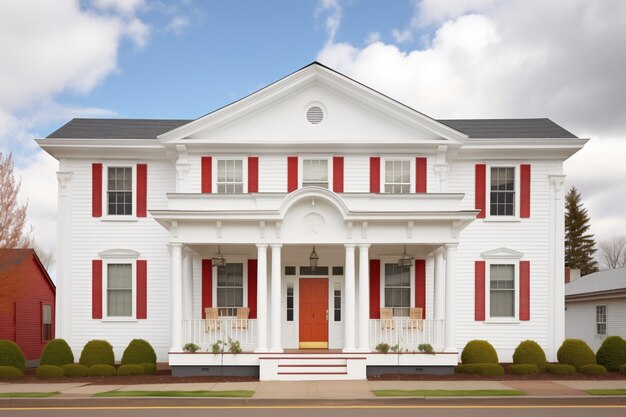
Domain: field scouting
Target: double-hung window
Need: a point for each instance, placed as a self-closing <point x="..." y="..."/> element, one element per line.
<point x="398" y="288"/>
<point x="230" y="176"/>
<point x="502" y="290"/>
<point x="119" y="289"/>
<point x="601" y="320"/>
<point x="397" y="176"/>
<point x="502" y="191"/>
<point x="46" y="322"/>
<point x="120" y="191"/>
<point x="230" y="289"/>
<point x="315" y="173"/>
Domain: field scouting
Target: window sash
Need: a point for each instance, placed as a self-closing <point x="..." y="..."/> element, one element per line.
<point x="502" y="290"/>
<point x="46" y="322"/>
<point x="290" y="299"/>
<point x="601" y="320"/>
<point x="230" y="289"/>
<point x="119" y="290"/>
<point x="397" y="176"/>
<point x="230" y="176"/>
<point x="337" y="302"/>
<point x="120" y="191"/>
<point x="502" y="191"/>
<point x="398" y="288"/>
<point x="315" y="173"/>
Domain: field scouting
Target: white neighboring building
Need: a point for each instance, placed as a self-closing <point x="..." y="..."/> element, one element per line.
<point x="595" y="307"/>
<point x="316" y="160"/>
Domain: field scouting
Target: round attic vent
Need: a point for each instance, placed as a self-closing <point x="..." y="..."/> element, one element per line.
<point x="315" y="115"/>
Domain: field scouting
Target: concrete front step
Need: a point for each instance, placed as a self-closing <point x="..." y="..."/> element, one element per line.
<point x="307" y="368"/>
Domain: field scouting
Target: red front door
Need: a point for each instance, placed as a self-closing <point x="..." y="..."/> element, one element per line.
<point x="313" y="313"/>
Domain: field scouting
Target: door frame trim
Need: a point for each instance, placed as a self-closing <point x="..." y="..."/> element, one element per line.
<point x="315" y="345"/>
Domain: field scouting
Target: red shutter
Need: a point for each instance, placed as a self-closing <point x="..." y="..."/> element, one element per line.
<point x="96" y="190"/>
<point x="207" y="285"/>
<point x="524" y="290"/>
<point x="568" y="274"/>
<point x="253" y="174"/>
<point x="420" y="175"/>
<point x="252" y="274"/>
<point x="420" y="285"/>
<point x="142" y="289"/>
<point x="479" y="291"/>
<point x="207" y="174"/>
<point x="142" y="190"/>
<point x="96" y="289"/>
<point x="374" y="174"/>
<point x="480" y="190"/>
<point x="338" y="174"/>
<point x="524" y="208"/>
<point x="374" y="288"/>
<point x="292" y="173"/>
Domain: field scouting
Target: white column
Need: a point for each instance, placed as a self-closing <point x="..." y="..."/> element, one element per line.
<point x="63" y="308"/>
<point x="188" y="284"/>
<point x="349" y="313"/>
<point x="275" y="344"/>
<point x="176" y="294"/>
<point x="364" y="298"/>
<point x="261" y="297"/>
<point x="439" y="285"/>
<point x="559" y="262"/>
<point x="450" y="303"/>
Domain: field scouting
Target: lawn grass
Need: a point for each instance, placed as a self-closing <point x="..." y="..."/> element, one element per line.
<point x="606" y="391"/>
<point x="27" y="394"/>
<point x="236" y="393"/>
<point x="447" y="393"/>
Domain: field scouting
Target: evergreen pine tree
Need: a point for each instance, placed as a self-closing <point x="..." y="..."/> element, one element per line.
<point x="579" y="244"/>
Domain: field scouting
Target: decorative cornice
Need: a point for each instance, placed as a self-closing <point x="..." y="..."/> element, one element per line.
<point x="119" y="253"/>
<point x="502" y="253"/>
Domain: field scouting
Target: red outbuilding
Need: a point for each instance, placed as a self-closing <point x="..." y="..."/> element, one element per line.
<point x="27" y="301"/>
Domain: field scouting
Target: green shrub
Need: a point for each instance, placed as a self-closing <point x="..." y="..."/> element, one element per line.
<point x="529" y="352"/>
<point x="560" y="369"/>
<point x="130" y="369"/>
<point x="383" y="347"/>
<point x="57" y="352"/>
<point x="137" y="352"/>
<point x="622" y="368"/>
<point x="97" y="352"/>
<point x="524" y="369"/>
<point x="11" y="355"/>
<point x="10" y="372"/>
<point x="484" y="369"/>
<point x="102" y="370"/>
<point x="191" y="347"/>
<point x="75" y="369"/>
<point x="577" y="353"/>
<point x="612" y="353"/>
<point x="479" y="351"/>
<point x="426" y="348"/>
<point x="593" y="370"/>
<point x="149" y="368"/>
<point x="49" y="371"/>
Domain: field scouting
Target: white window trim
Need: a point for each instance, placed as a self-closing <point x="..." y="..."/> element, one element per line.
<point x="390" y="260"/>
<point x="105" y="188"/>
<point x="516" y="207"/>
<point x="232" y="259"/>
<point x="501" y="261"/>
<point x="606" y="321"/>
<point x="244" y="171"/>
<point x="105" y="279"/>
<point x="329" y="163"/>
<point x="383" y="163"/>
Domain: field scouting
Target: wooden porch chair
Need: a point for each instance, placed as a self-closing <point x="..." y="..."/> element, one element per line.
<point x="386" y="318"/>
<point x="242" y="318"/>
<point x="415" y="318"/>
<point x="211" y="321"/>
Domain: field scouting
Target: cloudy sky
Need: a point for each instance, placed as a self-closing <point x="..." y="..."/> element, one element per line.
<point x="565" y="60"/>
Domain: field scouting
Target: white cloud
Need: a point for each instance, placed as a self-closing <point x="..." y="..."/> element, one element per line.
<point x="177" y="25"/>
<point x="333" y="11"/>
<point x="505" y="59"/>
<point x="402" y="36"/>
<point x="126" y="7"/>
<point x="372" y="37"/>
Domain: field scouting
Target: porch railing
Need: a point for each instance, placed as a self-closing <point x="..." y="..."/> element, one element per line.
<point x="407" y="333"/>
<point x="205" y="332"/>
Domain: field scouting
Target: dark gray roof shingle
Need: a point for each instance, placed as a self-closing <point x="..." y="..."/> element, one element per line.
<point x="508" y="128"/>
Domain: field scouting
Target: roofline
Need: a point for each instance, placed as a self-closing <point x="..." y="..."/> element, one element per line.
<point x="595" y="294"/>
<point x="45" y="272"/>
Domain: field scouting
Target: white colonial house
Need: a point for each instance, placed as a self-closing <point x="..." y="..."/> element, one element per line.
<point x="311" y="221"/>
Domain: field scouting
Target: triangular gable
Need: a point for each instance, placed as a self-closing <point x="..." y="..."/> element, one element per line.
<point x="502" y="253"/>
<point x="318" y="76"/>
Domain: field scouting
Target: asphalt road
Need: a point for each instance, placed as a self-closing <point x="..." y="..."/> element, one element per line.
<point x="605" y="407"/>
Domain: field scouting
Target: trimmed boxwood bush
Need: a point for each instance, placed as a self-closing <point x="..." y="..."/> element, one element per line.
<point x="10" y="372"/>
<point x="577" y="353"/>
<point x="49" y="371"/>
<point x="484" y="369"/>
<point x="97" y="352"/>
<point x="75" y="369"/>
<point x="593" y="370"/>
<point x="529" y="352"/>
<point x="560" y="369"/>
<point x="524" y="369"/>
<point x="622" y="368"/>
<point x="57" y="352"/>
<point x="12" y="355"/>
<point x="102" y="370"/>
<point x="479" y="351"/>
<point x="130" y="369"/>
<point x="149" y="368"/>
<point x="137" y="352"/>
<point x="612" y="353"/>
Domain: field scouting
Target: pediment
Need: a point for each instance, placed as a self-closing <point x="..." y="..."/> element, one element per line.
<point x="502" y="253"/>
<point x="119" y="254"/>
<point x="350" y="113"/>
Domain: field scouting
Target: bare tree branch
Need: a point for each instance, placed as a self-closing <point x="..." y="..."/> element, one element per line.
<point x="613" y="252"/>
<point x="13" y="230"/>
